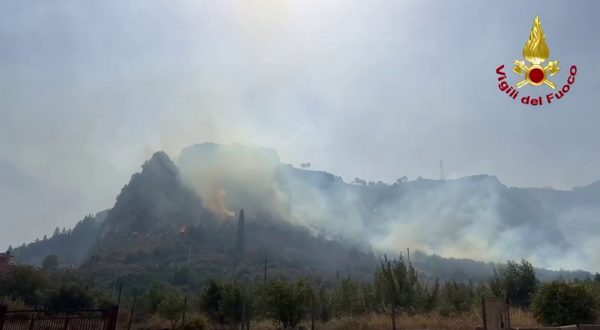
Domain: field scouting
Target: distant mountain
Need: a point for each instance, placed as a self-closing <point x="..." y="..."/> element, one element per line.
<point x="154" y="200"/>
<point x="577" y="213"/>
<point x="169" y="217"/>
<point x="158" y="224"/>
<point x="71" y="246"/>
<point x="565" y="200"/>
<point x="476" y="217"/>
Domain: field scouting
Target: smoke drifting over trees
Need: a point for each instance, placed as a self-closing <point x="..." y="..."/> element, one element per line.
<point x="473" y="217"/>
<point x="187" y="208"/>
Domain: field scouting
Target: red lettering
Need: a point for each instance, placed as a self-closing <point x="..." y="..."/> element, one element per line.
<point x="572" y="70"/>
<point x="500" y="72"/>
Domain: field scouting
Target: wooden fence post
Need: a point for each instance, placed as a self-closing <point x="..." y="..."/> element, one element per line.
<point x="66" y="325"/>
<point x="496" y="314"/>
<point x="111" y="322"/>
<point x="3" y="310"/>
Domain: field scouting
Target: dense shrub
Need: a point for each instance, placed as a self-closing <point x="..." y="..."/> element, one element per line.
<point x="562" y="303"/>
<point x="211" y="299"/>
<point x="171" y="307"/>
<point x="25" y="283"/>
<point x="50" y="262"/>
<point x="456" y="298"/>
<point x="70" y="296"/>
<point x="287" y="303"/>
<point x="517" y="282"/>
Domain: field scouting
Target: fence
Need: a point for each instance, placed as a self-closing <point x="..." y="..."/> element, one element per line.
<point x="566" y="327"/>
<point x="91" y="319"/>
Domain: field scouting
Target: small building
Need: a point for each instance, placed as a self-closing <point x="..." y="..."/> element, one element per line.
<point x="7" y="262"/>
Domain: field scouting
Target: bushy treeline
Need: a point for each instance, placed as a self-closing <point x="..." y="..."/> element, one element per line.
<point x="27" y="287"/>
<point x="395" y="289"/>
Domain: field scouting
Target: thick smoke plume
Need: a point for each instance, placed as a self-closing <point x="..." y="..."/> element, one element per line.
<point x="474" y="217"/>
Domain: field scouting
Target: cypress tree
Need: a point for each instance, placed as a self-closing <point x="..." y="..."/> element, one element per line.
<point x="240" y="240"/>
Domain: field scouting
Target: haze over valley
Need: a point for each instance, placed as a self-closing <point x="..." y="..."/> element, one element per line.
<point x="304" y="212"/>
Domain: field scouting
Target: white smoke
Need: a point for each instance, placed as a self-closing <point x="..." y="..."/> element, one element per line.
<point x="475" y="217"/>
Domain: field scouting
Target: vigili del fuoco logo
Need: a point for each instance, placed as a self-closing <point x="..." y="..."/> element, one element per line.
<point x="538" y="73"/>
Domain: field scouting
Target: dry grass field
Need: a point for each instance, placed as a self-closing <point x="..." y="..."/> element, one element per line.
<point x="433" y="321"/>
<point x="408" y="322"/>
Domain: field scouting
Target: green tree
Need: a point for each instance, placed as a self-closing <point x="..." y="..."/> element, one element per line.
<point x="50" y="262"/>
<point x="456" y="298"/>
<point x="172" y="307"/>
<point x="232" y="303"/>
<point x="211" y="299"/>
<point x="398" y="287"/>
<point x="517" y="282"/>
<point x="317" y="301"/>
<point x="430" y="296"/>
<point x="25" y="283"/>
<point x="368" y="297"/>
<point x="346" y="298"/>
<point x="153" y="297"/>
<point x="287" y="302"/>
<point x="70" y="296"/>
<point x="561" y="303"/>
<point x="496" y="284"/>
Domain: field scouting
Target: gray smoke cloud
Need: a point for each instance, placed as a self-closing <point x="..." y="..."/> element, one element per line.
<point x="89" y="90"/>
<point x="474" y="217"/>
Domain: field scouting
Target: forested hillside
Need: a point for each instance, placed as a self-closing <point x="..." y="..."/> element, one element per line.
<point x="299" y="221"/>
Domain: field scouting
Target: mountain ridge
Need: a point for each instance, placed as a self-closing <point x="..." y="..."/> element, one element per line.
<point x="212" y="182"/>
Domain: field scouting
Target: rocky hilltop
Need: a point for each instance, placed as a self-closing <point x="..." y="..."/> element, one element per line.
<point x="186" y="216"/>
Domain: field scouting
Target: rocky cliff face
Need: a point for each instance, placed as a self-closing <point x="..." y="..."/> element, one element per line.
<point x="311" y="221"/>
<point x="154" y="200"/>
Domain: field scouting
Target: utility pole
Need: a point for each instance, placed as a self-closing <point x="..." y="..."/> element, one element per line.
<point x="243" y="309"/>
<point x="184" y="310"/>
<point x="442" y="178"/>
<point x="190" y="254"/>
<point x="120" y="291"/>
<point x="265" y="277"/>
<point x="241" y="236"/>
<point x="131" y="313"/>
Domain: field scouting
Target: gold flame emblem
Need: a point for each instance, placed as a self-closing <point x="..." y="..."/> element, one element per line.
<point x="536" y="51"/>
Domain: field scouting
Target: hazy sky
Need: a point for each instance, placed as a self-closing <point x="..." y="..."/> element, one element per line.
<point x="374" y="89"/>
